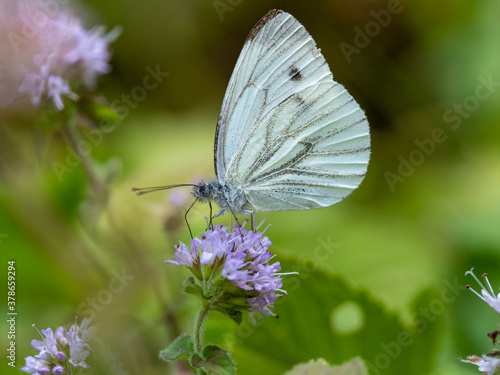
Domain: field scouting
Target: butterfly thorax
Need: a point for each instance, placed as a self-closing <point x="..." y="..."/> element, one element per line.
<point x="228" y="198"/>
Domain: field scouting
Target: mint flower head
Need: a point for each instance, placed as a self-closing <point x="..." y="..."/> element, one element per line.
<point x="233" y="271"/>
<point x="62" y="352"/>
<point x="46" y="54"/>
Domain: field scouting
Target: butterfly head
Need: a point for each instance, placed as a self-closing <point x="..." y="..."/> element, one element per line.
<point x="204" y="191"/>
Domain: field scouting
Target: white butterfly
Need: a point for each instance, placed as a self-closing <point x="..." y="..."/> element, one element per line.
<point x="288" y="136"/>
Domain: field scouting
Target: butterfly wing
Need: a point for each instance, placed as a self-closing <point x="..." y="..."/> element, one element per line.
<point x="290" y="135"/>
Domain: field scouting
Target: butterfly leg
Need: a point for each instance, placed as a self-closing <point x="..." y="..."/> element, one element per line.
<point x="210" y="223"/>
<point x="230" y="209"/>
<point x="186" y="218"/>
<point x="222" y="210"/>
<point x="235" y="218"/>
<point x="252" y="219"/>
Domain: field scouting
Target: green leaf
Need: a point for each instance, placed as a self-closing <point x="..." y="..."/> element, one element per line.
<point x="355" y="366"/>
<point x="98" y="110"/>
<point x="191" y="287"/>
<point x="105" y="112"/>
<point x="215" y="360"/>
<point x="235" y="315"/>
<point x="314" y="323"/>
<point x="182" y="346"/>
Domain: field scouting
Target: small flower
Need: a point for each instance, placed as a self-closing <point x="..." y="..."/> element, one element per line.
<point x="78" y="347"/>
<point x="85" y="332"/>
<point x="57" y="87"/>
<point x="89" y="51"/>
<point x="487" y="294"/>
<point x="60" y="336"/>
<point x="60" y="356"/>
<point x="214" y="245"/>
<point x="47" y="347"/>
<point x="232" y="265"/>
<point x="58" y="370"/>
<point x="183" y="255"/>
<point x="32" y="365"/>
<point x="77" y="351"/>
<point x="488" y="364"/>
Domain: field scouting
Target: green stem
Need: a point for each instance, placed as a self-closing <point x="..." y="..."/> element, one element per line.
<point x="73" y="139"/>
<point x="199" y="326"/>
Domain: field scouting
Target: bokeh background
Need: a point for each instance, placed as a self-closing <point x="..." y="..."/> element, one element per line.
<point x="391" y="287"/>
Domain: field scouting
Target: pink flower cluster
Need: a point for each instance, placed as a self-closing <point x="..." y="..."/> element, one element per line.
<point x="241" y="257"/>
<point x="62" y="351"/>
<point x="46" y="54"/>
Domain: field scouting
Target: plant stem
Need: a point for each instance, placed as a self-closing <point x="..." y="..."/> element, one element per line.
<point x="73" y="139"/>
<point x="199" y="326"/>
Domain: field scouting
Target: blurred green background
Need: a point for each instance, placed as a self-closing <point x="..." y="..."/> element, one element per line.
<point x="427" y="211"/>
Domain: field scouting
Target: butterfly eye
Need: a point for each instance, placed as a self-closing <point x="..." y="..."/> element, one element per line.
<point x="202" y="190"/>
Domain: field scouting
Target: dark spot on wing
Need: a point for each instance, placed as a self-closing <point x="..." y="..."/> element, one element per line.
<point x="294" y="73"/>
<point x="263" y="21"/>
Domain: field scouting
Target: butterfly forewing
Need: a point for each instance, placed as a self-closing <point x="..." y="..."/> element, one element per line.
<point x="248" y="92"/>
<point x="288" y="133"/>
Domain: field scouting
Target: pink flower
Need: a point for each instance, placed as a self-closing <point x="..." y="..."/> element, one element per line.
<point x="47" y="54"/>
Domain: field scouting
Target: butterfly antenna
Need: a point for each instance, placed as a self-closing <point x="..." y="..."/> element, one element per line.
<point x="141" y="191"/>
